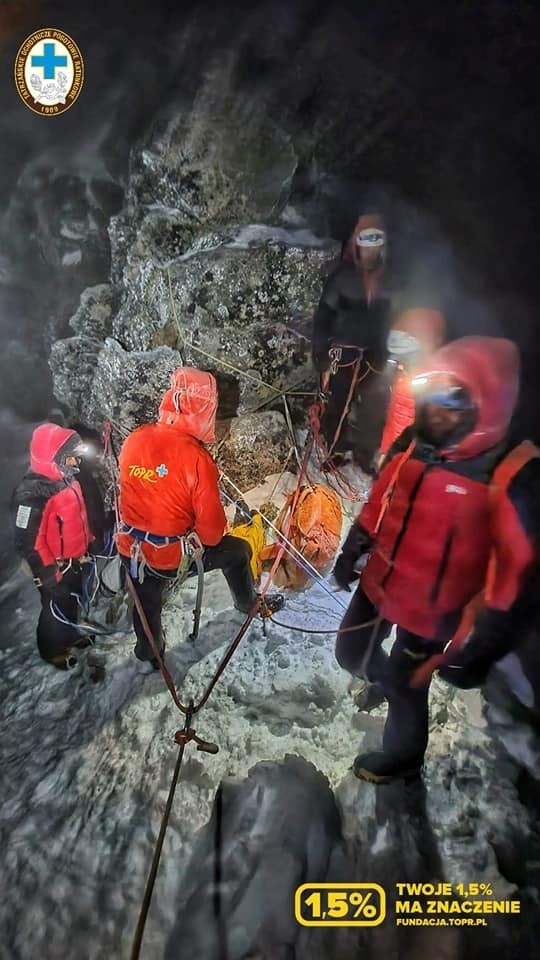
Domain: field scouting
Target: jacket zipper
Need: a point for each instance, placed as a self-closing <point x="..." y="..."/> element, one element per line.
<point x="60" y="523"/>
<point x="434" y="595"/>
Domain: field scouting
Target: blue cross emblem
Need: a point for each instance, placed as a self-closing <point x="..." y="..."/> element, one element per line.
<point x="49" y="61"/>
<point x="162" y="470"/>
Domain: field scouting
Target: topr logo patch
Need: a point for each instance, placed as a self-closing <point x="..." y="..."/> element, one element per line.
<point x="147" y="473"/>
<point x="49" y="72"/>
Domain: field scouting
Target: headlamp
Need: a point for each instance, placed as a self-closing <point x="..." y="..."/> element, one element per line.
<point x="450" y="397"/>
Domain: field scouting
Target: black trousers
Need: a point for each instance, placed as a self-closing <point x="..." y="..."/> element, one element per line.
<point x="362" y="428"/>
<point x="406" y="730"/>
<point x="55" y="639"/>
<point x="231" y="555"/>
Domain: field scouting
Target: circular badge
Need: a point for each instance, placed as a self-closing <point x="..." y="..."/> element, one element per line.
<point x="49" y="72"/>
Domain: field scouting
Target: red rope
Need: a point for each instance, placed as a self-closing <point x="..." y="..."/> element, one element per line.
<point x="345" y="489"/>
<point x="355" y="379"/>
<point x="324" y="453"/>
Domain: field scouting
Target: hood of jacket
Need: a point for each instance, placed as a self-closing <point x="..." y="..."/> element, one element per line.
<point x="488" y="368"/>
<point x="47" y="441"/>
<point x="190" y="405"/>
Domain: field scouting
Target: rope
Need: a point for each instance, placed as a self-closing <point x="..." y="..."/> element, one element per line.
<point x="149" y="888"/>
<point x="289" y="547"/>
<point x="356" y="626"/>
<point x="280" y="478"/>
<point x="175" y="315"/>
<point x="287" y="393"/>
<point x="153" y="646"/>
<point x="81" y="626"/>
<point x="371" y="646"/>
<point x="290" y="429"/>
<point x="346" y="407"/>
<point x="331" y="472"/>
<point x="198" y="600"/>
<point x="345" y="489"/>
<point x="190" y="710"/>
<point x="260" y="599"/>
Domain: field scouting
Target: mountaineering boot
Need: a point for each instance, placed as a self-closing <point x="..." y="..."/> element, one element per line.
<point x="148" y="666"/>
<point x="366" y="696"/>
<point x="151" y="665"/>
<point x="64" y="661"/>
<point x="381" y="767"/>
<point x="271" y="604"/>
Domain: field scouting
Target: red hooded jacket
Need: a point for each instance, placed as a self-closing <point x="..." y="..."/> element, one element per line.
<point x="51" y="522"/>
<point x="431" y="513"/>
<point x="168" y="480"/>
<point x="427" y="326"/>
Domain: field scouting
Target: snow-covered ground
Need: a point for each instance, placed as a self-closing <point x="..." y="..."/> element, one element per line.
<point x="86" y="767"/>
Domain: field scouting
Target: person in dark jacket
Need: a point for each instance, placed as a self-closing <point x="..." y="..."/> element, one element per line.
<point x="448" y="541"/>
<point x="351" y="324"/>
<point x="52" y="535"/>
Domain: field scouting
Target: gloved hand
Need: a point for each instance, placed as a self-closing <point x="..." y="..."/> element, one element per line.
<point x="48" y="577"/>
<point x="357" y="544"/>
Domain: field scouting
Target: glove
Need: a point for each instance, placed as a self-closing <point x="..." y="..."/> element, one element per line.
<point x="357" y="544"/>
<point x="48" y="578"/>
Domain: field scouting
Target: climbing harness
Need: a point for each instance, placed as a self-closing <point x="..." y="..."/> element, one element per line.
<point x="192" y="556"/>
<point x="326" y="451"/>
<point x="192" y="549"/>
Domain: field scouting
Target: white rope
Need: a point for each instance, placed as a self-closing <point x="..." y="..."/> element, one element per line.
<point x="280" y="536"/>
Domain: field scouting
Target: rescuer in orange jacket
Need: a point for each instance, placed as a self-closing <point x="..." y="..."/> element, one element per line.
<point x="439" y="529"/>
<point x="168" y="490"/>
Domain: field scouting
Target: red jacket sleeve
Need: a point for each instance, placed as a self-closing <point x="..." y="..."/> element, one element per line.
<point x="210" y="519"/>
<point x="400" y="413"/>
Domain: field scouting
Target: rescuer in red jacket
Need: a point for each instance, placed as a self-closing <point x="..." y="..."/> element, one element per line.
<point x="414" y="336"/>
<point x="52" y="535"/>
<point x="454" y="514"/>
<point x="168" y="490"/>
